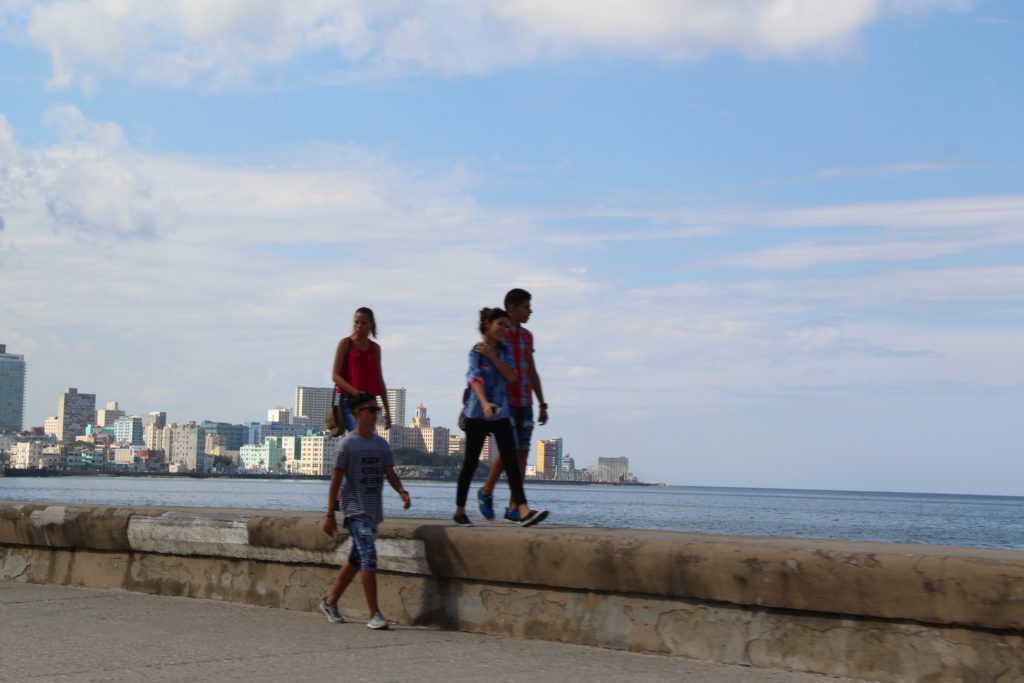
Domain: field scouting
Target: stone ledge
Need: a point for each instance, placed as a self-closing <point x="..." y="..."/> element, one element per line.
<point x="926" y="584"/>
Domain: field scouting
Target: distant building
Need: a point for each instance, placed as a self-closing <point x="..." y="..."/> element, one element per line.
<point x="419" y="435"/>
<point x="51" y="427"/>
<point x="185" y="448"/>
<point x="128" y="431"/>
<point x="396" y="401"/>
<point x="12" y="391"/>
<point x="313" y="403"/>
<point x="74" y="412"/>
<point x="549" y="458"/>
<point x="266" y="457"/>
<point x="279" y="415"/>
<point x="614" y="470"/>
<point x="231" y="436"/>
<point x="456" y="446"/>
<point x="109" y="415"/>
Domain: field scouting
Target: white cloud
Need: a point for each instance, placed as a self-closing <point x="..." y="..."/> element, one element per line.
<point x="184" y="41"/>
<point x="243" y="292"/>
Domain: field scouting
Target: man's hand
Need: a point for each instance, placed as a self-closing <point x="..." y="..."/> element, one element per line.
<point x="406" y="500"/>
<point x="543" y="417"/>
<point x="331" y="524"/>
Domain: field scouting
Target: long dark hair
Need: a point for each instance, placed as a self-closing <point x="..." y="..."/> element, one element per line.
<point x="489" y="315"/>
<point x="369" y="314"/>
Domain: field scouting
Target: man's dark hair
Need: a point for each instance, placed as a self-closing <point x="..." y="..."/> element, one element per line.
<point x="359" y="400"/>
<point x="516" y="297"/>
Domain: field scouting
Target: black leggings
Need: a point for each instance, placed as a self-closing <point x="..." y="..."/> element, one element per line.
<point x="476" y="431"/>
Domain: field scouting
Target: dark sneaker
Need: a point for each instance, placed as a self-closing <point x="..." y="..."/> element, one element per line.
<point x="512" y="516"/>
<point x="486" y="503"/>
<point x="533" y="517"/>
<point x="378" y="623"/>
<point x="333" y="615"/>
<point x="462" y="520"/>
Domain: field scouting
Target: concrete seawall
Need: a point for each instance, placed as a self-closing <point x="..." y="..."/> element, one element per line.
<point x="882" y="612"/>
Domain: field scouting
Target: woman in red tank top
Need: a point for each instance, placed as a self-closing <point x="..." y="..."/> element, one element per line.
<point x="357" y="366"/>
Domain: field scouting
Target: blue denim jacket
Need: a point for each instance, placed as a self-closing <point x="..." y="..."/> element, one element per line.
<point x="495" y="386"/>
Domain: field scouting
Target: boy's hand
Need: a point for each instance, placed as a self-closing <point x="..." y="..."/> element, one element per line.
<point x="543" y="417"/>
<point x="331" y="524"/>
<point x="406" y="500"/>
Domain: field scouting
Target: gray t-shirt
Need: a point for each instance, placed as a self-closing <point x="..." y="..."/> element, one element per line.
<point x="364" y="462"/>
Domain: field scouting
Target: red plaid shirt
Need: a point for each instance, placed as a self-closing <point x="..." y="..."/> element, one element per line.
<point x="520" y="392"/>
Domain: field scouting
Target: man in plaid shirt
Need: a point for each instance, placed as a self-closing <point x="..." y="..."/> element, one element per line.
<point x="520" y="398"/>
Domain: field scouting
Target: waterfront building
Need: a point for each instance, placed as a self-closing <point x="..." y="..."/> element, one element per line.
<point x="109" y="415"/>
<point x="614" y="470"/>
<point x="231" y="436"/>
<point x="74" y="411"/>
<point x="549" y="458"/>
<point x="262" y="458"/>
<point x="456" y="446"/>
<point x="27" y="454"/>
<point x="318" y="454"/>
<point x="185" y="448"/>
<point x="128" y="431"/>
<point x="313" y="403"/>
<point x="12" y="391"/>
<point x="84" y="461"/>
<point x="258" y="433"/>
<point x="51" y="427"/>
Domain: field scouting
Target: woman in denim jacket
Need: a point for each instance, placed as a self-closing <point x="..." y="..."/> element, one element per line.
<point x="490" y="369"/>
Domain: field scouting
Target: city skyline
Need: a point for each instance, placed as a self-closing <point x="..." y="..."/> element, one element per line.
<point x="769" y="245"/>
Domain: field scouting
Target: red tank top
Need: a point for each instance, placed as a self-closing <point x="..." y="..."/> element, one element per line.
<point x="361" y="368"/>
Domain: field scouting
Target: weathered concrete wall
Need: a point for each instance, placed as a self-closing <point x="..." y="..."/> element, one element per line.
<point x="881" y="612"/>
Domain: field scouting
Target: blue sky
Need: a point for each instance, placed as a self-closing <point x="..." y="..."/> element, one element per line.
<point x="770" y="245"/>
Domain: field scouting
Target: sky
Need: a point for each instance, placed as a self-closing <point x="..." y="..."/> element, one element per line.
<point x="771" y="243"/>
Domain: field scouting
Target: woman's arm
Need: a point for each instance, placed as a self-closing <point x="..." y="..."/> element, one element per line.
<point x="384" y="395"/>
<point x="478" y="389"/>
<point x="502" y="367"/>
<point x="339" y="363"/>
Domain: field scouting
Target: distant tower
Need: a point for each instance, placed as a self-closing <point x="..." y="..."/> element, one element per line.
<point x="396" y="400"/>
<point x="109" y="415"/>
<point x="313" y="402"/>
<point x="74" y="412"/>
<point x="421" y="419"/>
<point x="549" y="458"/>
<point x="12" y="391"/>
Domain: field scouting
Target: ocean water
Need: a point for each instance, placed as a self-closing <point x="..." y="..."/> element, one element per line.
<point x="957" y="520"/>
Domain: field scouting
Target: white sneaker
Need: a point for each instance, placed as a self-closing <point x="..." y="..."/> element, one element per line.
<point x="331" y="611"/>
<point x="378" y="623"/>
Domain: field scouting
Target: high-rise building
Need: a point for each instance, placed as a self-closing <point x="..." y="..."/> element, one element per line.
<point x="313" y="402"/>
<point x="128" y="431"/>
<point x="74" y="412"/>
<point x="396" y="401"/>
<point x="109" y="415"/>
<point x="549" y="458"/>
<point x="12" y="391"/>
<point x="185" y="448"/>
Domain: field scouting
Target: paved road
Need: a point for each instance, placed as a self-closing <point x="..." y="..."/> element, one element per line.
<point x="56" y="633"/>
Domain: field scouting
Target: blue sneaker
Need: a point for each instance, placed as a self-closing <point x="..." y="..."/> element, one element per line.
<point x="486" y="503"/>
<point x="512" y="516"/>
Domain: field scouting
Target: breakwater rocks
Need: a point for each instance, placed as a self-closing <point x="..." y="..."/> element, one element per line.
<point x="881" y="612"/>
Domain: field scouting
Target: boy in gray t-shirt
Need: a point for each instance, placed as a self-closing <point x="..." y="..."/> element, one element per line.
<point x="364" y="461"/>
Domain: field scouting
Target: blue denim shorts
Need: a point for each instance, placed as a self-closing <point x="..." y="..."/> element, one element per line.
<point x="363" y="554"/>
<point x="522" y="425"/>
<point x="350" y="419"/>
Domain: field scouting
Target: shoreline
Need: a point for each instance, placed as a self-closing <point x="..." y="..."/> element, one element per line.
<point x="23" y="473"/>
